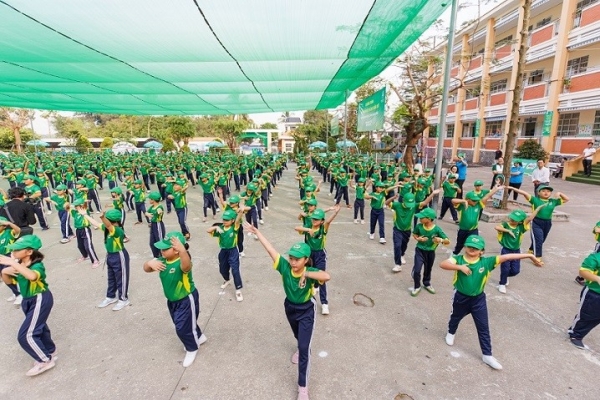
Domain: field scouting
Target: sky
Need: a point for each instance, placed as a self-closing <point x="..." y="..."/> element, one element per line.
<point x="468" y="11"/>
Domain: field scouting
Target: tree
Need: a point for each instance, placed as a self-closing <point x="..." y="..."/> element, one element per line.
<point x="72" y="128"/>
<point x="513" y="126"/>
<point x="229" y="130"/>
<point x="15" y="119"/>
<point x="168" y="145"/>
<point x="531" y="150"/>
<point x="83" y="144"/>
<point x="268" y="125"/>
<point x="180" y="128"/>
<point x="7" y="137"/>
<point x="107" y="143"/>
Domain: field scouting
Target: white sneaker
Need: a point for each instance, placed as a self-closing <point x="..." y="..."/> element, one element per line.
<point x="18" y="301"/>
<point x="106" y="302"/>
<point x="255" y="236"/>
<point x="11" y="298"/>
<point x="449" y="339"/>
<point x="49" y="212"/>
<point x="190" y="356"/>
<point x="325" y="309"/>
<point x="362" y="221"/>
<point x="502" y="289"/>
<point x="225" y="284"/>
<point x="65" y="240"/>
<point x="371" y="236"/>
<point x="397" y="268"/>
<point x="121" y="305"/>
<point x="403" y="260"/>
<point x="262" y="222"/>
<point x="98" y="212"/>
<point x="40" y="367"/>
<point x="238" y="295"/>
<point x="242" y="254"/>
<point x="382" y="241"/>
<point x="507" y="282"/>
<point x="356" y="221"/>
<point x="329" y="194"/>
<point x="492" y="362"/>
<point x="202" y="339"/>
<point x="266" y="208"/>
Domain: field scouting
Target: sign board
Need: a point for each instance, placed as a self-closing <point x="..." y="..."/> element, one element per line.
<point x="528" y="165"/>
<point x="335" y="127"/>
<point x="477" y="127"/>
<point x="547" y="125"/>
<point x="371" y="112"/>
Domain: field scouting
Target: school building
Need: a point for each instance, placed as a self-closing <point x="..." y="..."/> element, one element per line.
<point x="560" y="101"/>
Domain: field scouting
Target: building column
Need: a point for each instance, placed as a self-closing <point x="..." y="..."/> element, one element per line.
<point x="465" y="62"/>
<point x="490" y="39"/>
<point x="558" y="73"/>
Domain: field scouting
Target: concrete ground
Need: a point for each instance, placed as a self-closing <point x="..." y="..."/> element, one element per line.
<point x="395" y="347"/>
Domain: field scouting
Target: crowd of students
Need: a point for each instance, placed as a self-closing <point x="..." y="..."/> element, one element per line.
<point x="70" y="183"/>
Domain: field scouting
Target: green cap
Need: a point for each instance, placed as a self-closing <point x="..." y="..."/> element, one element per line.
<point x="26" y="177"/>
<point x="517" y="215"/>
<point x="166" y="242"/>
<point x="310" y="188"/>
<point x="476" y="242"/>
<point x="451" y="176"/>
<point x="180" y="182"/>
<point x="81" y="182"/>
<point x="154" y="196"/>
<point x="426" y="213"/>
<point x="137" y="182"/>
<point x="61" y="187"/>
<point x="116" y="190"/>
<point x="408" y="198"/>
<point x="318" y="214"/>
<point x="380" y="184"/>
<point x="478" y="183"/>
<point x="3" y="219"/>
<point x="472" y="196"/>
<point x="204" y="175"/>
<point x="545" y="187"/>
<point x="361" y="180"/>
<point x="78" y="202"/>
<point x="251" y="187"/>
<point x="26" y="242"/>
<point x="299" y="250"/>
<point x="229" y="215"/>
<point x="234" y="199"/>
<point x="113" y="215"/>
<point x="311" y="202"/>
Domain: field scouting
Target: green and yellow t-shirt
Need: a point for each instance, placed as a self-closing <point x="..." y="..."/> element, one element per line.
<point x="227" y="239"/>
<point x="377" y="200"/>
<point x="7" y="236"/>
<point x="113" y="241"/>
<point x="403" y="215"/>
<point x="430" y="234"/>
<point x="79" y="221"/>
<point x="546" y="212"/>
<point x="60" y="201"/>
<point x="360" y="192"/>
<point x="179" y="199"/>
<point x="468" y="217"/>
<point x="139" y="195"/>
<point x="157" y="213"/>
<point x="208" y="186"/>
<point x="592" y="264"/>
<point x="176" y="283"/>
<point x="32" y="288"/>
<point x="450" y="189"/>
<point x="316" y="241"/>
<point x="473" y="285"/>
<point x="294" y="291"/>
<point x="509" y="242"/>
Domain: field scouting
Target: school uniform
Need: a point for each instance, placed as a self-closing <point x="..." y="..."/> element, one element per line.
<point x="84" y="236"/>
<point x="511" y="245"/>
<point x="139" y="196"/>
<point x="300" y="310"/>
<point x="342" y="181"/>
<point x="34" y="335"/>
<point x="208" y="188"/>
<point x="359" y="202"/>
<point x="180" y="204"/>
<point x="450" y="192"/>
<point x="157" y="228"/>
<point x="117" y="263"/>
<point x="468" y="223"/>
<point x="318" y="255"/>
<point x="63" y="215"/>
<point x="425" y="254"/>
<point x="229" y="256"/>
<point x="588" y="315"/>
<point x="542" y="223"/>
<point x="182" y="301"/>
<point x="251" y="215"/>
<point x="37" y="205"/>
<point x="469" y="298"/>
<point x="377" y="214"/>
<point x="7" y="237"/>
<point x="403" y="216"/>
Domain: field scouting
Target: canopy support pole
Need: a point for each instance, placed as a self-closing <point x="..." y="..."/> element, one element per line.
<point x="345" y="120"/>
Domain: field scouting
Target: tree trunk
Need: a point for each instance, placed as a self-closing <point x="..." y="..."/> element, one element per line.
<point x="511" y="137"/>
<point x="17" y="132"/>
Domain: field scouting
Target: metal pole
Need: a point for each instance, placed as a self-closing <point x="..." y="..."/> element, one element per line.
<point x="442" y="122"/>
<point x="345" y="119"/>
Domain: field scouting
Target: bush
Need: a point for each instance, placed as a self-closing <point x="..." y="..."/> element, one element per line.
<point x="83" y="144"/>
<point x="168" y="145"/>
<point x="107" y="143"/>
<point x="531" y="150"/>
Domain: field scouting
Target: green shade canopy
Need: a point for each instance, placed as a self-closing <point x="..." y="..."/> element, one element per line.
<point x="157" y="57"/>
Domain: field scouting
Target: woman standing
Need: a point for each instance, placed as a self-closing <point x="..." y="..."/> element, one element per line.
<point x="516" y="178"/>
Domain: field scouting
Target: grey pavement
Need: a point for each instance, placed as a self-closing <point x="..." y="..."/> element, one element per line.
<point x="397" y="346"/>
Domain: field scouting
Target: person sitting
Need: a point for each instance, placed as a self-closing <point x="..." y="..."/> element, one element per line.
<point x="559" y="170"/>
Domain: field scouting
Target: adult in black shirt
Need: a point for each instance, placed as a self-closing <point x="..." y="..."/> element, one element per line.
<point x="18" y="211"/>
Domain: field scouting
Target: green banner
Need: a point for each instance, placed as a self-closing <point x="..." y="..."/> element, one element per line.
<point x="547" y="126"/>
<point x="477" y="127"/>
<point x="371" y="112"/>
<point x="335" y="127"/>
<point x="528" y="165"/>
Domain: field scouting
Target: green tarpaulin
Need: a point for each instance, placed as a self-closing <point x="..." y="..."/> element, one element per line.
<point x="199" y="56"/>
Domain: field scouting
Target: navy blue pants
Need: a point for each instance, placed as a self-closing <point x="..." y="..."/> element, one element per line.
<point x="169" y="202"/>
<point x="319" y="260"/>
<point x="117" y="270"/>
<point x="377" y="217"/>
<point x="462" y="306"/>
<point x="229" y="261"/>
<point x="140" y="210"/>
<point x="461" y="237"/>
<point x="359" y="206"/>
<point x="240" y="239"/>
<point x="401" y="239"/>
<point x="65" y="224"/>
<point x="424" y="260"/>
<point x="539" y="232"/>
<point x="157" y="233"/>
<point x="184" y="314"/>
<point x="45" y="195"/>
<point x="209" y="202"/>
<point x="236" y="181"/>
<point x="447" y="205"/>
<point x="181" y="217"/>
<point x="342" y="193"/>
<point x="251" y="217"/>
<point x="509" y="268"/>
<point x="41" y="216"/>
<point x="93" y="197"/>
<point x="301" y="318"/>
<point x="588" y="316"/>
<point x="34" y="334"/>
<point x="146" y="180"/>
<point x="162" y="190"/>
<point x="85" y="244"/>
<point x="129" y="201"/>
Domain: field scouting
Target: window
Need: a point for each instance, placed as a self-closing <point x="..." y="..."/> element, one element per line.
<point x="493" y="129"/>
<point x="568" y="124"/>
<point x="289" y="147"/>
<point x="473" y="92"/>
<point x="450" y="131"/>
<point x="543" y="22"/>
<point x="433" y="131"/>
<point x="596" y="128"/>
<point x="504" y="41"/>
<point x="577" y="66"/>
<point x="535" y="76"/>
<point x="468" y="130"/>
<point x="498" y="86"/>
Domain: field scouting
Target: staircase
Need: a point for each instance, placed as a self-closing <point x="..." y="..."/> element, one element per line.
<point x="594" y="179"/>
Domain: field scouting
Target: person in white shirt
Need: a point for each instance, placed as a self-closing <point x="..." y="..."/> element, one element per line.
<point x="588" y="155"/>
<point x="540" y="175"/>
<point x="496" y="170"/>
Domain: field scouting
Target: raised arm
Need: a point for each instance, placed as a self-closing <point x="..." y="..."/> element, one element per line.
<point x="562" y="196"/>
<point x="263" y="240"/>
